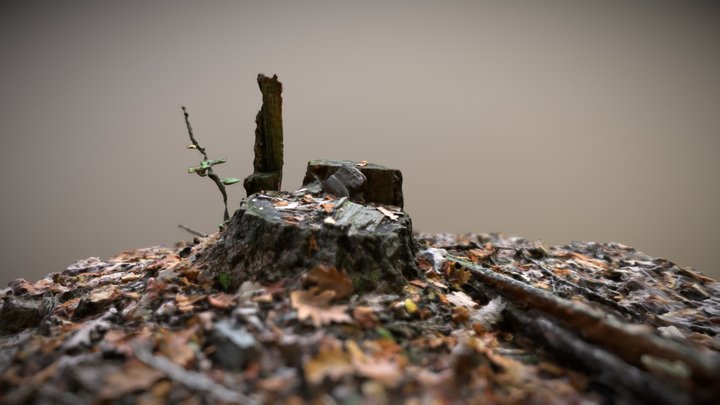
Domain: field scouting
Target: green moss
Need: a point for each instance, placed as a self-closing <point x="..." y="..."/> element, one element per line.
<point x="224" y="281"/>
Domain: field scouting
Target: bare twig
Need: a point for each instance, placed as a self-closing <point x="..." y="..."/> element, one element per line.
<point x="209" y="171"/>
<point x="190" y="379"/>
<point x="192" y="231"/>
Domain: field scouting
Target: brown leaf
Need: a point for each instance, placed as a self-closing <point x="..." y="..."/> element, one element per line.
<point x="457" y="276"/>
<point x="365" y="317"/>
<point x="460" y="299"/>
<point x="175" y="346"/>
<point x="185" y="303"/>
<point x="220" y="301"/>
<point x="385" y="372"/>
<point x="329" y="278"/>
<point x="480" y="255"/>
<point x="134" y="376"/>
<point x="315" y="305"/>
<point x="329" y="362"/>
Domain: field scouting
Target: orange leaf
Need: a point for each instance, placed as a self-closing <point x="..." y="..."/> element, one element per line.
<point x="329" y="362"/>
<point x="329" y="278"/>
<point x="221" y="301"/>
<point x="315" y="305"/>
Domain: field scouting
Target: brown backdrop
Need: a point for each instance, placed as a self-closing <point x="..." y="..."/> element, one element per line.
<point x="555" y="120"/>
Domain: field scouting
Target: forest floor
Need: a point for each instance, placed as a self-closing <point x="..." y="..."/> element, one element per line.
<point x="148" y="326"/>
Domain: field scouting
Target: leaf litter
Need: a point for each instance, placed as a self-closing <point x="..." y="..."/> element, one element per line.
<point x="148" y="326"/>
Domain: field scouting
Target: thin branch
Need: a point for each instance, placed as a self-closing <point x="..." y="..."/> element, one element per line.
<point x="210" y="173"/>
<point x="192" y="231"/>
<point x="190" y="132"/>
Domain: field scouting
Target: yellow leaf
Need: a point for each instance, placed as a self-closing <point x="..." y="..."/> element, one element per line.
<point x="410" y="306"/>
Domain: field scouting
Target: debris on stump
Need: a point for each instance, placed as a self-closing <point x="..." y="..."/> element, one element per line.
<point x="280" y="234"/>
<point x="382" y="185"/>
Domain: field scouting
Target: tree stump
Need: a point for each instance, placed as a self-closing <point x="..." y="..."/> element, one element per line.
<point x="268" y="162"/>
<point x="279" y="234"/>
<point x="382" y="185"/>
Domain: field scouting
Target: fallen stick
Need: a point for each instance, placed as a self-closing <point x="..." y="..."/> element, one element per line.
<point x="635" y="344"/>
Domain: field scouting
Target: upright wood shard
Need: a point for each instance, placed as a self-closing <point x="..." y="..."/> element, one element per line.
<point x="267" y="166"/>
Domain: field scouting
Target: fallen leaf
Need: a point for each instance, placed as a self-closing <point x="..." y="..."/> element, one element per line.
<point x="329" y="278"/>
<point x="329" y="362"/>
<point x="410" y="306"/>
<point x="315" y="304"/>
<point x="185" y="303"/>
<point x="480" y="255"/>
<point x="457" y="276"/>
<point x="460" y="314"/>
<point x="460" y="299"/>
<point x="392" y="215"/>
<point x="134" y="376"/>
<point x="221" y="301"/>
<point x="176" y="347"/>
<point x="385" y="372"/>
<point x="365" y="317"/>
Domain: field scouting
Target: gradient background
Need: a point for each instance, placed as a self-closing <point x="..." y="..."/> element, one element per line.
<point x="553" y="120"/>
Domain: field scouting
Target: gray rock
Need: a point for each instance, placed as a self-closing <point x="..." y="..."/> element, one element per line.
<point x="19" y="313"/>
<point x="235" y="345"/>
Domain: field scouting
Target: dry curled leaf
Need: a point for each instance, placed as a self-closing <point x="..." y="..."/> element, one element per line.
<point x="315" y="304"/>
<point x="460" y="299"/>
<point x="383" y="371"/>
<point x="132" y="377"/>
<point x="220" y="301"/>
<point x="329" y="362"/>
<point x="329" y="278"/>
<point x="392" y="215"/>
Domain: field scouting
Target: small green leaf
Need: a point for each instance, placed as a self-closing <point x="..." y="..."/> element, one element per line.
<point x="384" y="333"/>
<point x="201" y="171"/>
<point x="230" y="180"/>
<point x="209" y="163"/>
<point x="224" y="280"/>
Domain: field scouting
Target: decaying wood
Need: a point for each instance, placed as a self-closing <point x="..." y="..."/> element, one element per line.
<point x="268" y="162"/>
<point x="346" y="179"/>
<point x="643" y="327"/>
<point x="382" y="185"/>
<point x="628" y="341"/>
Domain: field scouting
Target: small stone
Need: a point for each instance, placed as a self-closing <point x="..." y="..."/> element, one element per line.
<point x="235" y="345"/>
<point x="17" y="314"/>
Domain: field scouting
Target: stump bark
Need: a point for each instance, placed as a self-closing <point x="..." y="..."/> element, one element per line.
<point x="268" y="162"/>
<point x="281" y="234"/>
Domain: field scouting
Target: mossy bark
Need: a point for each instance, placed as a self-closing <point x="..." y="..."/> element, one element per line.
<point x="268" y="162"/>
<point x="265" y="244"/>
